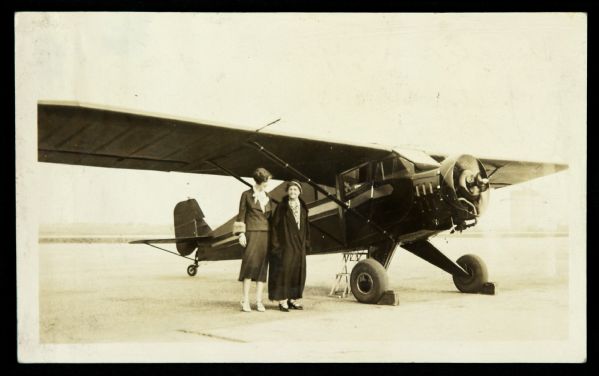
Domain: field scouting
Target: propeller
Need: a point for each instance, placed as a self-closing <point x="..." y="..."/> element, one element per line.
<point x="466" y="184"/>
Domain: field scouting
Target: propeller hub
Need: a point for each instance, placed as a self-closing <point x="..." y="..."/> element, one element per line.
<point x="473" y="183"/>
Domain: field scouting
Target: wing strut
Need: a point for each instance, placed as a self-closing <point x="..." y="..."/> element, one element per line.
<point x="272" y="156"/>
<point x="229" y="172"/>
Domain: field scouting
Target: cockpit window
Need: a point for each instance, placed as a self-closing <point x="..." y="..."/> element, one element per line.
<point x="420" y="159"/>
<point x="390" y="168"/>
<point x="355" y="179"/>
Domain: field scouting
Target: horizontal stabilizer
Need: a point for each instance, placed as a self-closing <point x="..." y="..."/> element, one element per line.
<point x="195" y="239"/>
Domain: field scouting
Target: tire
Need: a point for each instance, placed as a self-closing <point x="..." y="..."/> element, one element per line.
<point x="477" y="269"/>
<point x="368" y="281"/>
<point x="192" y="270"/>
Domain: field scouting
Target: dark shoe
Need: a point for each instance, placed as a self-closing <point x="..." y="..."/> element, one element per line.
<point x="284" y="309"/>
<point x="292" y="305"/>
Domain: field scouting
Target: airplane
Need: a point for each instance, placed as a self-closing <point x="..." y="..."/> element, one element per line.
<point x="360" y="196"/>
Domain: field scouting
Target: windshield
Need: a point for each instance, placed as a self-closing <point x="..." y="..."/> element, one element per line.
<point x="418" y="157"/>
<point x="393" y="167"/>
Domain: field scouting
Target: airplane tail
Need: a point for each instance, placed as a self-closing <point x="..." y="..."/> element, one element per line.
<point x="189" y="223"/>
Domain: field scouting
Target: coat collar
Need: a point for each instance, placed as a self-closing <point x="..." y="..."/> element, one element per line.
<point x="255" y="204"/>
<point x="285" y="202"/>
<point x="251" y="192"/>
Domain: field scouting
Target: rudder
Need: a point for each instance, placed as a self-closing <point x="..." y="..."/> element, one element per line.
<point x="189" y="222"/>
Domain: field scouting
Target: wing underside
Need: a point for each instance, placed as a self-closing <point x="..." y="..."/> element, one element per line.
<point x="503" y="173"/>
<point x="91" y="136"/>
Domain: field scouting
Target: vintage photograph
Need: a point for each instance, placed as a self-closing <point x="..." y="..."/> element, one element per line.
<point x="301" y="187"/>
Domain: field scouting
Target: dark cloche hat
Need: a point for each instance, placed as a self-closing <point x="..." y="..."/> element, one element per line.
<point x="295" y="183"/>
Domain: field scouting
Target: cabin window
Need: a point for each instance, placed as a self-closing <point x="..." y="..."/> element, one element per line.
<point x="355" y="179"/>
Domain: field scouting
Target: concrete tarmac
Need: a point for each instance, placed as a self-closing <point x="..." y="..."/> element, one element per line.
<point x="121" y="293"/>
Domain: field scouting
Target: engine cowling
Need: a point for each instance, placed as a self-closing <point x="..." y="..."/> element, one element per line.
<point x="465" y="186"/>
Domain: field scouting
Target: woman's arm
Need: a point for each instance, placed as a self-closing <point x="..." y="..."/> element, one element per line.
<point x="239" y="224"/>
<point x="308" y="244"/>
<point x="242" y="209"/>
<point x="274" y="230"/>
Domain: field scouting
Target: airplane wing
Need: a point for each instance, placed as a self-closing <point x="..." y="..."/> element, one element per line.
<point x="75" y="134"/>
<point x="503" y="172"/>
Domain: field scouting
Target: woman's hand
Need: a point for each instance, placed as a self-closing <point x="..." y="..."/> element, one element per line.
<point x="242" y="240"/>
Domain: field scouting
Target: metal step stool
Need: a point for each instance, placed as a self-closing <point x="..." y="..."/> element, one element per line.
<point x="341" y="288"/>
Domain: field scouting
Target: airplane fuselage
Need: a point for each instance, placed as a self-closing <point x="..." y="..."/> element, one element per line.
<point x="393" y="200"/>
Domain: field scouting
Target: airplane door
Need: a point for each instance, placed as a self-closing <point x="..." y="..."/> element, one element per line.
<point x="354" y="187"/>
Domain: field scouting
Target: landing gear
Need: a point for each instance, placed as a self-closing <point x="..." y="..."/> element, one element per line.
<point x="469" y="273"/>
<point x="477" y="270"/>
<point x="368" y="281"/>
<point x="192" y="270"/>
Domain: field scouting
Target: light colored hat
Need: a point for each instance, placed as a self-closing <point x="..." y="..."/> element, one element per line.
<point x="295" y="183"/>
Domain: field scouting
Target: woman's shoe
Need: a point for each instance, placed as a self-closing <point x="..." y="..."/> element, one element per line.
<point x="283" y="308"/>
<point x="245" y="307"/>
<point x="293" y="305"/>
<point x="260" y="307"/>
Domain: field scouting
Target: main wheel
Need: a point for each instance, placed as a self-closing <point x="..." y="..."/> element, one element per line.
<point x="192" y="270"/>
<point x="476" y="268"/>
<point x="368" y="281"/>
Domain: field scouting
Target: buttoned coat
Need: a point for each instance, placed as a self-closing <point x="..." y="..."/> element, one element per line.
<point x="287" y="271"/>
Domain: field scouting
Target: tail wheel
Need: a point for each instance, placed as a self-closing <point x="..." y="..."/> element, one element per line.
<point x="192" y="270"/>
<point x="477" y="270"/>
<point x="368" y="281"/>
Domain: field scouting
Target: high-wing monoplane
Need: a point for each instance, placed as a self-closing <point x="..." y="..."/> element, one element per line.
<point x="360" y="196"/>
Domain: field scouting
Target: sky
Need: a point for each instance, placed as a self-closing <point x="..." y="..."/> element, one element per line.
<point x="497" y="85"/>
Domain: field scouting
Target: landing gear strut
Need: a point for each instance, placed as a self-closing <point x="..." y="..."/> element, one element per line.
<point x="469" y="273"/>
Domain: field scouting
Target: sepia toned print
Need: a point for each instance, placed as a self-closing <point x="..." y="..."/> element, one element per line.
<point x="455" y="138"/>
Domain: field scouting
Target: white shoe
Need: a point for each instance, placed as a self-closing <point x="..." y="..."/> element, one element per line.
<point x="260" y="307"/>
<point x="245" y="307"/>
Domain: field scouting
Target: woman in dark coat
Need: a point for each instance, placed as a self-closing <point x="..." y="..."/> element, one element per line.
<point x="252" y="222"/>
<point x="290" y="239"/>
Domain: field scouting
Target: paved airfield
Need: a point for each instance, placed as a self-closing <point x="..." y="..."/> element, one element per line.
<point x="121" y="293"/>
